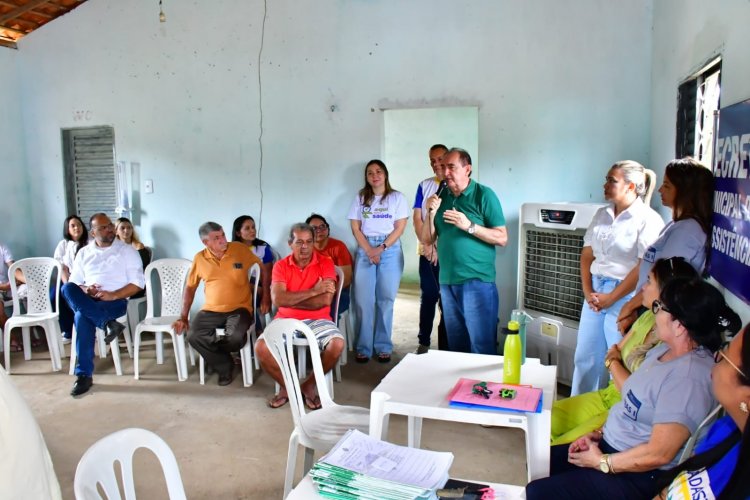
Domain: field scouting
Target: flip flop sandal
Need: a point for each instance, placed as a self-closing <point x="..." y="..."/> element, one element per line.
<point x="384" y="357"/>
<point x="312" y="403"/>
<point x="361" y="358"/>
<point x="277" y="401"/>
<point x="16" y="348"/>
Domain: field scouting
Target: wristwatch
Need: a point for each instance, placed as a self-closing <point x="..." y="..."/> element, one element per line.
<point x="608" y="362"/>
<point x="604" y="463"/>
<point x="472" y="228"/>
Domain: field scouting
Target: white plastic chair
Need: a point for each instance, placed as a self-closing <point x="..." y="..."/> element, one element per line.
<point x="133" y="314"/>
<point x="246" y="353"/>
<point x="102" y="346"/>
<point x="687" y="451"/>
<point x="6" y="304"/>
<point x="37" y="272"/>
<point x="97" y="466"/>
<point x="172" y="275"/>
<point x="134" y="308"/>
<point x="341" y="323"/>
<point x="320" y="429"/>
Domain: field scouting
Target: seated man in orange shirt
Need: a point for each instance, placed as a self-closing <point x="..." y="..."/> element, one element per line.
<point x="337" y="251"/>
<point x="302" y="287"/>
<point x="224" y="268"/>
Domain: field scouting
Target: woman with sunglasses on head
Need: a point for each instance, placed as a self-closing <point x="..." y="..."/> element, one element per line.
<point x="244" y="231"/>
<point x="378" y="217"/>
<point x="688" y="189"/>
<point x="577" y="415"/>
<point x="663" y="402"/>
<point x="126" y="233"/>
<point x="719" y="467"/>
<point x="613" y="245"/>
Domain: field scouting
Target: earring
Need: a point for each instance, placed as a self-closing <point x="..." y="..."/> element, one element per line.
<point x="743" y="407"/>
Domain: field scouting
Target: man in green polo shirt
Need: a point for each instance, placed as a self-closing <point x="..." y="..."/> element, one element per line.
<point x="467" y="223"/>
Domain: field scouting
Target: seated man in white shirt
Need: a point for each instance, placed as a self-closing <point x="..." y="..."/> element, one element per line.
<point x="105" y="273"/>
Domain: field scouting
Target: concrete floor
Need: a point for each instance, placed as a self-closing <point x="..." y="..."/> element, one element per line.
<point x="228" y="443"/>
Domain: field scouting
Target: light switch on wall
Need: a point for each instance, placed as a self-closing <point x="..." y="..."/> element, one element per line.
<point x="148" y="186"/>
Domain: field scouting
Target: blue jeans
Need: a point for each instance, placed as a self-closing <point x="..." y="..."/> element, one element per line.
<point x="430" y="286"/>
<point x="375" y="289"/>
<point x="597" y="332"/>
<point x="470" y="311"/>
<point x="89" y="314"/>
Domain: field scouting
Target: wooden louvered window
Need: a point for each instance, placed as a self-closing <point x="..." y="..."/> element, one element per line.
<point x="89" y="160"/>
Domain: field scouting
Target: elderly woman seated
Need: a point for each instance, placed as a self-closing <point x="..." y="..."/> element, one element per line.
<point x="575" y="416"/>
<point x="663" y="403"/>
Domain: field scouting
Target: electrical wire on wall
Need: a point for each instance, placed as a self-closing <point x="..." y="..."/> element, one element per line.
<point x="260" y="113"/>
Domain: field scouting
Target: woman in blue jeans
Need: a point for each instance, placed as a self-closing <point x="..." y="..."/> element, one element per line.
<point x="378" y="217"/>
<point x="612" y="250"/>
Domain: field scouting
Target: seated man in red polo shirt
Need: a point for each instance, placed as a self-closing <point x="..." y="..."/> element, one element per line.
<point x="302" y="287"/>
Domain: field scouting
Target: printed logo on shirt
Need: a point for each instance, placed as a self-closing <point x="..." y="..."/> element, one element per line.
<point x="237" y="265"/>
<point x="632" y="405"/>
<point x="650" y="255"/>
<point x="693" y="485"/>
<point x="376" y="213"/>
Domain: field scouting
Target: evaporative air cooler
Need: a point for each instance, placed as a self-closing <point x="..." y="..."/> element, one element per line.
<point x="549" y="279"/>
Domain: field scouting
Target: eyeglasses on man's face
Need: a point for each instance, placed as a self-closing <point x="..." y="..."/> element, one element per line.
<point x="104" y="227"/>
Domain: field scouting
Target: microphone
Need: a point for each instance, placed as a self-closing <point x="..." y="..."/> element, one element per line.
<point x="441" y="187"/>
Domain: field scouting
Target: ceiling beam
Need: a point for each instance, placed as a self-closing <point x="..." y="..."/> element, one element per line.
<point x="9" y="44"/>
<point x="42" y="14"/>
<point x="14" y="30"/>
<point x="32" y="4"/>
<point x="23" y="23"/>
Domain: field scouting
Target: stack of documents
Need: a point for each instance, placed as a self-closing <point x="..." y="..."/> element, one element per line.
<point x="363" y="467"/>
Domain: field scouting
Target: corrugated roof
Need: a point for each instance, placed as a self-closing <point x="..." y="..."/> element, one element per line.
<point x="18" y="18"/>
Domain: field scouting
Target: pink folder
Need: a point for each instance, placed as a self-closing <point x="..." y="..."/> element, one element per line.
<point x="528" y="399"/>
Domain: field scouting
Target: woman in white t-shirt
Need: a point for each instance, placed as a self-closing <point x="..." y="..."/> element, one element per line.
<point x="75" y="237"/>
<point x="612" y="250"/>
<point x="378" y="217"/>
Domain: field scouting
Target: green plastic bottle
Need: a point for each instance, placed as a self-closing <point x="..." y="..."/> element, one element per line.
<point x="512" y="355"/>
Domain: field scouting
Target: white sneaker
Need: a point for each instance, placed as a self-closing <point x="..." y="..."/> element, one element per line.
<point x="65" y="340"/>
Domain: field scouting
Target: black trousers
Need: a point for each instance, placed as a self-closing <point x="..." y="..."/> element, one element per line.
<point x="216" y="350"/>
<point x="568" y="481"/>
<point x="430" y="286"/>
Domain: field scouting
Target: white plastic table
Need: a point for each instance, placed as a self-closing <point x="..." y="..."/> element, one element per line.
<point x="418" y="387"/>
<point x="305" y="490"/>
